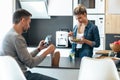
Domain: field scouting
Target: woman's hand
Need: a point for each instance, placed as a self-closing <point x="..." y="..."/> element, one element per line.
<point x="81" y="41"/>
<point x="70" y="33"/>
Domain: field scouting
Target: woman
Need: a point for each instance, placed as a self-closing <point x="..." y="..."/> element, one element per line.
<point x="86" y="34"/>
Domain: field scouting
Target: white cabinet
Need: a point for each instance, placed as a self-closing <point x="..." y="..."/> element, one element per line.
<point x="113" y="6"/>
<point x="60" y="7"/>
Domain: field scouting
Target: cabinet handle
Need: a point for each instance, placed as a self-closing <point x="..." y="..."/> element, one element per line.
<point x="116" y="36"/>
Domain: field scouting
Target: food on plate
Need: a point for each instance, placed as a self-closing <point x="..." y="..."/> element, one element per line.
<point x="75" y="40"/>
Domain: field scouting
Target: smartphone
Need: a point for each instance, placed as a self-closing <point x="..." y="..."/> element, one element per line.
<point x="47" y="40"/>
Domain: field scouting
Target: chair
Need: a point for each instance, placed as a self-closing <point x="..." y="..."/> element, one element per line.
<point x="9" y="69"/>
<point x="98" y="69"/>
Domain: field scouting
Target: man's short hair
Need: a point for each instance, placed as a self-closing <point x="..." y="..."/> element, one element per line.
<point x="20" y="13"/>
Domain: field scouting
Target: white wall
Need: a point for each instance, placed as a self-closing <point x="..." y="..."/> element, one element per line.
<point x="6" y="7"/>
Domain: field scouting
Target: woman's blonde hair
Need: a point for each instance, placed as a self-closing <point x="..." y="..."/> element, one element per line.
<point x="80" y="9"/>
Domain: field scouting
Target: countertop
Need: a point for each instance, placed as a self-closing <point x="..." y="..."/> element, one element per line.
<point x="65" y="63"/>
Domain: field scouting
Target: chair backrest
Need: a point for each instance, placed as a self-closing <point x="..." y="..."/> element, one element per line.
<point x="9" y="69"/>
<point x="98" y="69"/>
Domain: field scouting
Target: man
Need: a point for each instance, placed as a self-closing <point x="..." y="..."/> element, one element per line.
<point x="86" y="34"/>
<point x="15" y="45"/>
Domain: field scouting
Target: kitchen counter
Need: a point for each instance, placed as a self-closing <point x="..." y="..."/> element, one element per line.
<point x="65" y="63"/>
<point x="67" y="69"/>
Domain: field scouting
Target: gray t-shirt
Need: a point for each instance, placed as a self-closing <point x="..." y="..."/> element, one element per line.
<point x="15" y="45"/>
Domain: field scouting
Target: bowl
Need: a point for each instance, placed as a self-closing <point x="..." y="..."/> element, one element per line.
<point x="75" y="40"/>
<point x="115" y="47"/>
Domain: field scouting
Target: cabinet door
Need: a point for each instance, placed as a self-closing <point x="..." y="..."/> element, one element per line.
<point x="60" y="7"/>
<point x="112" y="24"/>
<point x="113" y="6"/>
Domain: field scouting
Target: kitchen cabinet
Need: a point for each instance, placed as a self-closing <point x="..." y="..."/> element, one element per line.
<point x="113" y="6"/>
<point x="112" y="24"/>
<point x="38" y="8"/>
<point x="60" y="7"/>
<point x="112" y="21"/>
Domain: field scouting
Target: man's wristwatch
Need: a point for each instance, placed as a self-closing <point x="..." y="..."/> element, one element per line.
<point x="39" y="49"/>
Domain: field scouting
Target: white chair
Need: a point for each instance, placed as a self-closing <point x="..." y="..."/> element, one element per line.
<point x="98" y="69"/>
<point x="9" y="69"/>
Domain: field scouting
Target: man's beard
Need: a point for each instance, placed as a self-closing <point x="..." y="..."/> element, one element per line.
<point x="25" y="31"/>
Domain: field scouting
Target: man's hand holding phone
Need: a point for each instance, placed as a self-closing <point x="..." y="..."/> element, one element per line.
<point x="41" y="45"/>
